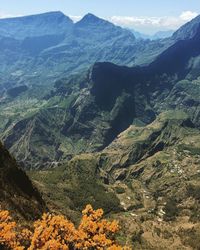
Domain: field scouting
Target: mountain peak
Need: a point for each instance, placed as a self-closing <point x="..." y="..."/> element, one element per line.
<point x="91" y="19"/>
<point x="46" y="15"/>
<point x="53" y="14"/>
<point x="60" y="13"/>
<point x="90" y="16"/>
<point x="49" y="23"/>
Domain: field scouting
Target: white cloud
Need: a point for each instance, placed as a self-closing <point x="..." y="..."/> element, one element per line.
<point x="188" y="15"/>
<point x="150" y="24"/>
<point x="6" y="15"/>
<point x="75" y="18"/>
<point x="2" y="15"/>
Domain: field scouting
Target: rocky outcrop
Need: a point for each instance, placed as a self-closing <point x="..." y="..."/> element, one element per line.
<point x="17" y="193"/>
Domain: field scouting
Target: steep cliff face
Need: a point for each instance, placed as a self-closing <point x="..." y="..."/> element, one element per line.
<point x="17" y="193"/>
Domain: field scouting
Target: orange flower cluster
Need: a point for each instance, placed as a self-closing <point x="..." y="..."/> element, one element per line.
<point x="54" y="232"/>
<point x="9" y="237"/>
<point x="95" y="232"/>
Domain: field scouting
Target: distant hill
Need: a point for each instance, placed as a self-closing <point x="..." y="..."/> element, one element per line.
<point x="37" y="49"/>
<point x="162" y="34"/>
<point x="156" y="36"/>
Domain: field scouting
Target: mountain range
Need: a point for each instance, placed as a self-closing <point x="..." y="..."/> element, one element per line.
<point x="38" y="49"/>
<point x="85" y="111"/>
<point x="95" y="115"/>
<point x="156" y="36"/>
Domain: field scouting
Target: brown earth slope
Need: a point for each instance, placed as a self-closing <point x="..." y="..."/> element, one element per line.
<point x="17" y="194"/>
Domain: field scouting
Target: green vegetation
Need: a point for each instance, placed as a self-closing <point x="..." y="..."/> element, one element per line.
<point x="171" y="209"/>
<point x="76" y="184"/>
<point x="124" y="139"/>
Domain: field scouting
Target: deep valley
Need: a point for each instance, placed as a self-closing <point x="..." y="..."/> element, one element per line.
<point x="94" y="115"/>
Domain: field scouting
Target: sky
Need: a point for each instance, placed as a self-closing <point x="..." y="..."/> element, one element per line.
<point x="147" y="16"/>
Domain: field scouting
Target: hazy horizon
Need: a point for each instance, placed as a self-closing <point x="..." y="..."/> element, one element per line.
<point x="144" y="16"/>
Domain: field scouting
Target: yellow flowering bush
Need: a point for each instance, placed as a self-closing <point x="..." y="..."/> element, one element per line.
<point x="55" y="232"/>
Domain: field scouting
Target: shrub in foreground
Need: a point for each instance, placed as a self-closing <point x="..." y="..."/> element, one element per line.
<point x="57" y="233"/>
